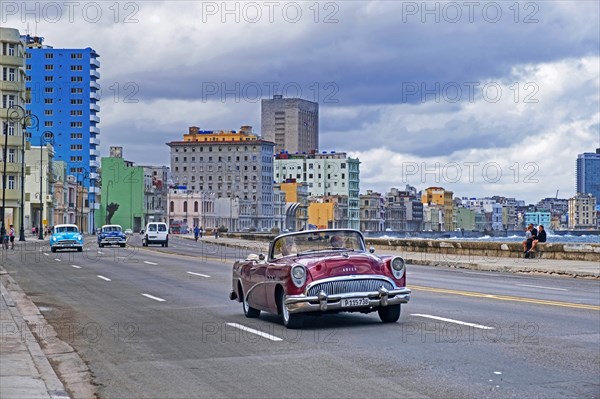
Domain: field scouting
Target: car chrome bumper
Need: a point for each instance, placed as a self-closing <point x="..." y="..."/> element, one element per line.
<point x="113" y="242"/>
<point x="323" y="302"/>
<point x="65" y="245"/>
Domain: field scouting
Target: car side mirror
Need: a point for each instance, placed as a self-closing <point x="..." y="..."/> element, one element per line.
<point x="261" y="257"/>
<point x="372" y="249"/>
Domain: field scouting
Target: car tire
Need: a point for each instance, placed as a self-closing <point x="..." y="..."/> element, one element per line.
<point x="249" y="311"/>
<point x="291" y="321"/>
<point x="167" y="244"/>
<point x="389" y="314"/>
<point x="101" y="245"/>
<point x="53" y="249"/>
<point x="122" y="245"/>
<point x="79" y="249"/>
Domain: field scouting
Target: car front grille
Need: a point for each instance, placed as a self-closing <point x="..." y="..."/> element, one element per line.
<point x="66" y="242"/>
<point x="349" y="286"/>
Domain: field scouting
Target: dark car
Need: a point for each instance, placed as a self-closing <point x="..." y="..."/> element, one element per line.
<point x="112" y="234"/>
<point x="320" y="271"/>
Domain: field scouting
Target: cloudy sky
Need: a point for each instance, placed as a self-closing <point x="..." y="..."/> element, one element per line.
<point x="481" y="98"/>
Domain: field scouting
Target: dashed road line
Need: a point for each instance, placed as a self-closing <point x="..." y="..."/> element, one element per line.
<point x="464" y="323"/>
<point x="199" y="274"/>
<point x="76" y="267"/>
<point x="150" y="263"/>
<point x="253" y="331"/>
<point x="154" y="297"/>
<point x="539" y="286"/>
<point x="104" y="278"/>
<point x="58" y="260"/>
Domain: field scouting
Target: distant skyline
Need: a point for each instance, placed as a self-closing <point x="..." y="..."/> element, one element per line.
<point x="481" y="98"/>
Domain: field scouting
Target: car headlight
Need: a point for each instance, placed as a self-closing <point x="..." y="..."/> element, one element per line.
<point x="397" y="267"/>
<point x="79" y="237"/>
<point x="53" y="238"/>
<point x="298" y="275"/>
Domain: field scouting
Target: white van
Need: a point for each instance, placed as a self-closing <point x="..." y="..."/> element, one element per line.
<point x="156" y="233"/>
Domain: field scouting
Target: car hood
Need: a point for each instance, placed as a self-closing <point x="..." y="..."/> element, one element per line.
<point x="66" y="236"/>
<point x="341" y="264"/>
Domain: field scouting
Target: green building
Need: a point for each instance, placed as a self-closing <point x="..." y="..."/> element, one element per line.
<point x="122" y="194"/>
<point x="465" y="219"/>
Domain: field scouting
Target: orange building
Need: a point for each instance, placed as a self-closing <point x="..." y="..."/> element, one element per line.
<point x="439" y="196"/>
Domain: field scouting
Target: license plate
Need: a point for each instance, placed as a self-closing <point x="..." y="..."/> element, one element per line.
<point x="353" y="302"/>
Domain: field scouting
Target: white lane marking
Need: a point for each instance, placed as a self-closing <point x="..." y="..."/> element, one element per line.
<point x="539" y="286"/>
<point x="101" y="253"/>
<point x="253" y="331"/>
<point x="58" y="260"/>
<point x="154" y="297"/>
<point x="104" y="278"/>
<point x="464" y="323"/>
<point x="76" y="267"/>
<point x="498" y="372"/>
<point x="485" y="274"/>
<point x="150" y="263"/>
<point x="199" y="274"/>
<point x="46" y="254"/>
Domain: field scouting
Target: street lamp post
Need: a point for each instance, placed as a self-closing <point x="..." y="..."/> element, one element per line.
<point x="2" y="214"/>
<point x="18" y="113"/>
<point x="46" y="138"/>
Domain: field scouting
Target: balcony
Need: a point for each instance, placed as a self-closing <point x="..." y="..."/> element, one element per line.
<point x="93" y="175"/>
<point x="94" y="85"/>
<point x="94" y="118"/>
<point x="94" y="107"/>
<point x="94" y="129"/>
<point x="94" y="95"/>
<point x="95" y="153"/>
<point x="95" y="74"/>
<point x="95" y="190"/>
<point x="8" y="60"/>
<point x="94" y="164"/>
<point x="12" y="86"/>
<point x="95" y="62"/>
<point x="94" y="141"/>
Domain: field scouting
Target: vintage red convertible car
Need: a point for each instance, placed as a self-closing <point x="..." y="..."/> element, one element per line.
<point x="320" y="271"/>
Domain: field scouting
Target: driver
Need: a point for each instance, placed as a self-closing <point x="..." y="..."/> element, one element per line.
<point x="337" y="242"/>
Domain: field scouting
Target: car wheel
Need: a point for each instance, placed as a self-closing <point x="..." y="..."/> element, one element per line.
<point x="79" y="249"/>
<point x="53" y="249"/>
<point x="249" y="311"/>
<point x="101" y="245"/>
<point x="122" y="245"/>
<point x="167" y="244"/>
<point x="291" y="321"/>
<point x="389" y="314"/>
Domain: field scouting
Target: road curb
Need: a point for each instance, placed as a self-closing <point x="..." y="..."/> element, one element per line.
<point x="57" y="357"/>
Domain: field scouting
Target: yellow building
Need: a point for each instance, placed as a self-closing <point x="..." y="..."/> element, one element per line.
<point x="321" y="214"/>
<point x="197" y="135"/>
<point x="439" y="196"/>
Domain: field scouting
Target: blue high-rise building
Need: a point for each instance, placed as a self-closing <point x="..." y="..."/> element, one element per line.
<point x="63" y="93"/>
<point x="588" y="173"/>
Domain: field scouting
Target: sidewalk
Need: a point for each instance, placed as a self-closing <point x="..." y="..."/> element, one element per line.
<point x="567" y="268"/>
<point x="24" y="369"/>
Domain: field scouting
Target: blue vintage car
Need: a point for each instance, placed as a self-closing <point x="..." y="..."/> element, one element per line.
<point x="112" y="234"/>
<point x="66" y="236"/>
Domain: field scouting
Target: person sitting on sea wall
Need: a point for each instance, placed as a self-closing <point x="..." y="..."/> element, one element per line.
<point x="541" y="237"/>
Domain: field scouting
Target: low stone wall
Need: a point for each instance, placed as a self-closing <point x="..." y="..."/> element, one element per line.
<point x="560" y="251"/>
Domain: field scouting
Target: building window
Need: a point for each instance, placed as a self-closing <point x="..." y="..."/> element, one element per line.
<point x="76" y="67"/>
<point x="49" y="67"/>
<point x="76" y="56"/>
<point x="172" y="207"/>
<point x="48" y="101"/>
<point x="48" y="123"/>
<point x="195" y="206"/>
<point x="49" y="55"/>
<point x="11" y="182"/>
<point x="78" y="101"/>
<point x="76" y="78"/>
<point x="11" y="155"/>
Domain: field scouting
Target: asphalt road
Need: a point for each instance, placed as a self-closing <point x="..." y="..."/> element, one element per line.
<point x="151" y="323"/>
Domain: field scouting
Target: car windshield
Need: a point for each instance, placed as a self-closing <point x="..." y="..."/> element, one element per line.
<point x="317" y="241"/>
<point x="65" y="229"/>
<point x="109" y="229"/>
